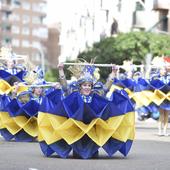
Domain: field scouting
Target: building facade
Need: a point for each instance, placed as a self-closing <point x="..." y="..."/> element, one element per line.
<point x="52" y="45"/>
<point x="90" y="21"/>
<point x="22" y="27"/>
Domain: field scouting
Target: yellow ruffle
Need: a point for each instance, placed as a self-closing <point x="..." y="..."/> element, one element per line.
<point x="5" y="87"/>
<point x="144" y="98"/>
<point x="53" y="128"/>
<point x="159" y="97"/>
<point x="18" y="123"/>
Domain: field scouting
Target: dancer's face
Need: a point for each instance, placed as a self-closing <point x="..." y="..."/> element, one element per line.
<point x="85" y="88"/>
<point x="10" y="63"/>
<point x="38" y="91"/>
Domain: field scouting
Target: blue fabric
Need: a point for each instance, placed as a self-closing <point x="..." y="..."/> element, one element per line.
<point x="22" y="136"/>
<point x="16" y="108"/>
<point x="46" y="149"/>
<point x="126" y="147"/>
<point x="85" y="147"/>
<point x="165" y="105"/>
<point x="74" y="107"/>
<point x="61" y="148"/>
<point x="112" y="146"/>
<point x="31" y="108"/>
<point x="153" y="108"/>
<point x="4" y="101"/>
<point x="52" y="103"/>
<point x="19" y="137"/>
<point x="142" y="84"/>
<point x="156" y="84"/>
<point x="155" y="115"/>
<point x="6" y="134"/>
<point x="6" y="76"/>
<point x="125" y="83"/>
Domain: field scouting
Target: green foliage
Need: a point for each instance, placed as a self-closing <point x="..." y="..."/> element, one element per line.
<point x="51" y="75"/>
<point x="133" y="45"/>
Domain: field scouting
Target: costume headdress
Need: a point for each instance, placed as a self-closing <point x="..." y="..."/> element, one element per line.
<point x="128" y="66"/>
<point x="7" y="54"/>
<point x="35" y="77"/>
<point x="84" y="71"/>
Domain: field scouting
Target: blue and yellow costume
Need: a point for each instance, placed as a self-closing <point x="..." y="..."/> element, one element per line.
<point x="86" y="123"/>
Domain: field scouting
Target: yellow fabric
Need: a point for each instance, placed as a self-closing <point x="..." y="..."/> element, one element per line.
<point x="28" y="125"/>
<point x="168" y="96"/>
<point x="159" y="97"/>
<point x="53" y="128"/>
<point x="5" y="87"/>
<point x="1" y="122"/>
<point x="18" y="123"/>
<point x="9" y="123"/>
<point x="126" y="130"/>
<point x="143" y="98"/>
<point x="22" y="88"/>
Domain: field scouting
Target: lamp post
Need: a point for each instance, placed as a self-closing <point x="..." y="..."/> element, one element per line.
<point x="41" y="51"/>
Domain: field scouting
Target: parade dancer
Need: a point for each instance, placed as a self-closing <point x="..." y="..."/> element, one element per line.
<point x="164" y="108"/>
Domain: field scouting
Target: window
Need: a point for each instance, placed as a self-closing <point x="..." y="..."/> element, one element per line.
<point x="36" y="44"/>
<point x="36" y="20"/>
<point x="25" y="30"/>
<point x="5" y="27"/>
<point x="41" y="32"/>
<point x="15" y="17"/>
<point x="26" y="5"/>
<point x="15" y="42"/>
<point x="16" y="3"/>
<point x="35" y="32"/>
<point x="15" y="29"/>
<point x="25" y="43"/>
<point x="25" y="19"/>
<point x="35" y="7"/>
<point x="39" y="7"/>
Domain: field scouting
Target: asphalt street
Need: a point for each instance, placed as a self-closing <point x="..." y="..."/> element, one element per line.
<point x="149" y="152"/>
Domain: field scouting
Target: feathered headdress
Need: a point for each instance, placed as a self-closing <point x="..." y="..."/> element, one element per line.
<point x="128" y="66"/>
<point x="5" y="52"/>
<point x="77" y="70"/>
<point x="36" y="76"/>
<point x="84" y="72"/>
<point x="158" y="62"/>
<point x="23" y="62"/>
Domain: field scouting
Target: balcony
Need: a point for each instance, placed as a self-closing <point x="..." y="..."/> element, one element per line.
<point x="161" y="5"/>
<point x="6" y="8"/>
<point x="140" y="22"/>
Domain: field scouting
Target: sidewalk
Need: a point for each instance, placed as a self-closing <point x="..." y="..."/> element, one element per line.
<point x="149" y="123"/>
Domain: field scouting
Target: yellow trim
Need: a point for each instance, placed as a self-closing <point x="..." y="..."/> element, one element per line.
<point x="18" y="123"/>
<point x="5" y="87"/>
<point x="53" y="128"/>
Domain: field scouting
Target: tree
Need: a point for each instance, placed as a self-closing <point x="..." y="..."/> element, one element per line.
<point x="133" y="45"/>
